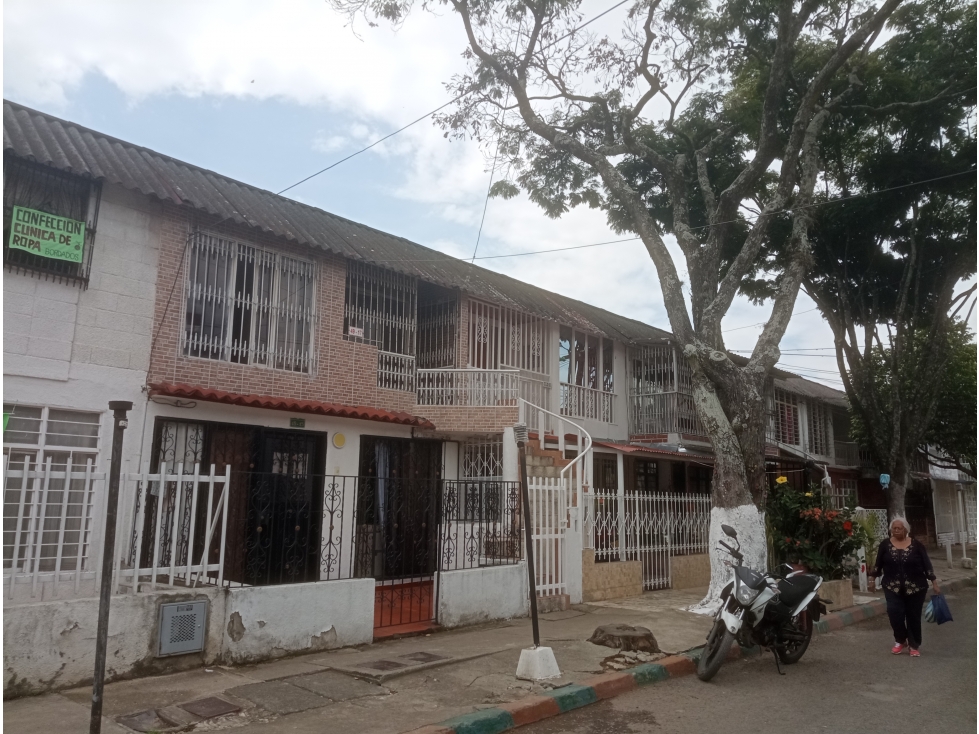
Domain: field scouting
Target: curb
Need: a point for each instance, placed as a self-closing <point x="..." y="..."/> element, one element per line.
<point x="608" y="685"/>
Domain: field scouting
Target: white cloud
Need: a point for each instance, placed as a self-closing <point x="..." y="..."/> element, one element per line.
<point x="302" y="52"/>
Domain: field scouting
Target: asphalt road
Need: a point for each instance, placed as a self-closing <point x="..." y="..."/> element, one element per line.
<point x="847" y="682"/>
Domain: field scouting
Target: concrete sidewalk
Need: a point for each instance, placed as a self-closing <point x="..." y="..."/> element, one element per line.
<point x="390" y="686"/>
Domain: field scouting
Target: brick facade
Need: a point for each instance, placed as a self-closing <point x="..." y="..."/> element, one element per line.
<point x="345" y="371"/>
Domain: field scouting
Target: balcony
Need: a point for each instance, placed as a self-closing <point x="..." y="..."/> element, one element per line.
<point x="846" y="453"/>
<point x="481" y="388"/>
<point x="586" y="402"/>
<point x="665" y="412"/>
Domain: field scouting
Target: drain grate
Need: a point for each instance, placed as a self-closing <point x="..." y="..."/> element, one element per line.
<point x="423" y="657"/>
<point x="383" y="665"/>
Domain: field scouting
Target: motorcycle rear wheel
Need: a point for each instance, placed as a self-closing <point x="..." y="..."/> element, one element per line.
<point x="715" y="651"/>
<point x="793" y="650"/>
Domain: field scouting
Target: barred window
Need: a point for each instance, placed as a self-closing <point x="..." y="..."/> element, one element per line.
<point x="818" y="438"/>
<point x="44" y="189"/>
<point x="786" y="418"/>
<point x="47" y="522"/>
<point x="248" y="305"/>
<point x="483" y="459"/>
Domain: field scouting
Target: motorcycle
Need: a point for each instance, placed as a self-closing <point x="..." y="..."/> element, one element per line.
<point x="774" y="611"/>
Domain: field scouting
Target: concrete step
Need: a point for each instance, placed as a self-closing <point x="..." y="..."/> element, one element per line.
<point x="553" y="603"/>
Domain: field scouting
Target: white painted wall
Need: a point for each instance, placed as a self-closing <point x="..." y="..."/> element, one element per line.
<point x="50" y="645"/>
<point x="266" y="622"/>
<point x="480" y="595"/>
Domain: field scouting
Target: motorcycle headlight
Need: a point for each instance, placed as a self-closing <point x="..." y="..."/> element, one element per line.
<point x="743" y="594"/>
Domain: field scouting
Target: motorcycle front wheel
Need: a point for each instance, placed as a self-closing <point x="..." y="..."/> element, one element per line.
<point x="715" y="651"/>
<point x="800" y="629"/>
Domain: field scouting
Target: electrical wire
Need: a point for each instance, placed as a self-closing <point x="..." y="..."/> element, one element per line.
<point x="440" y="107"/>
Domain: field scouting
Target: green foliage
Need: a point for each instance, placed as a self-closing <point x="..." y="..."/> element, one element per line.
<point x="805" y="529"/>
<point x="953" y="430"/>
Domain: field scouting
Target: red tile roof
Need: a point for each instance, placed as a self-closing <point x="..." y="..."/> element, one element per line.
<point x="195" y="392"/>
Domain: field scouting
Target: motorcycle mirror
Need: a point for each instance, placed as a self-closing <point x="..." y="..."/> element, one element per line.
<point x="729" y="531"/>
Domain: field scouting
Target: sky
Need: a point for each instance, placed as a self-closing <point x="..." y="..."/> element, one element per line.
<point x="269" y="93"/>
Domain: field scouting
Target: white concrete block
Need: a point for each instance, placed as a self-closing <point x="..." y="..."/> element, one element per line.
<point x="15" y="343"/>
<point x="49" y="348"/>
<point x="537" y="663"/>
<point x="46" y="369"/>
<point x="476" y="595"/>
<point x="54" y="328"/>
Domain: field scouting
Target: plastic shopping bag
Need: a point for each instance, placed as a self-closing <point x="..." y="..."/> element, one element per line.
<point x="940" y="606"/>
<point x="930" y="611"/>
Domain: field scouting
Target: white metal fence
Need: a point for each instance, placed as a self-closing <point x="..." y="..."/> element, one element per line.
<point x="548" y="523"/>
<point x="176" y="529"/>
<point x="49" y="523"/>
<point x="648" y="527"/>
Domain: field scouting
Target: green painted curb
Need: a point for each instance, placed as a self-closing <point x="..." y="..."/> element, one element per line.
<point x="487" y="721"/>
<point x="573" y="696"/>
<point x="648" y="673"/>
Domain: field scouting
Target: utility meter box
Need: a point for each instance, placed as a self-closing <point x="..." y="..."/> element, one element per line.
<point x="182" y="627"/>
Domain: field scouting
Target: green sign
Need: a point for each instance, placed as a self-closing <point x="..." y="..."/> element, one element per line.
<point x="46" y="235"/>
<point x="297" y="423"/>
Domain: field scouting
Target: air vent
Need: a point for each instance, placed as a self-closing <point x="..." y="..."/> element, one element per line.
<point x="182" y="628"/>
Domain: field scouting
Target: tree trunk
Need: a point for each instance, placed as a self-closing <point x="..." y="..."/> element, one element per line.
<point x="732" y="500"/>
<point x="897" y="490"/>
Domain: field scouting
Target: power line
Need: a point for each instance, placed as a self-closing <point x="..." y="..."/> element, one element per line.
<point x="841" y="200"/>
<point x="441" y="107"/>
<point x="762" y="323"/>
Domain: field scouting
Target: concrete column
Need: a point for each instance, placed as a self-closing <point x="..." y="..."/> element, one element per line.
<point x="620" y="503"/>
<point x="511" y="470"/>
<point x="572" y="555"/>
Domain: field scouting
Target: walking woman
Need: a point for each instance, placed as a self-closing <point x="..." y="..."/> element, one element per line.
<point x="906" y="569"/>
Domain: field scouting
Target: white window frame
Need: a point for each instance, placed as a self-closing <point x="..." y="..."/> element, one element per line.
<point x="269" y="313"/>
<point x="44" y="524"/>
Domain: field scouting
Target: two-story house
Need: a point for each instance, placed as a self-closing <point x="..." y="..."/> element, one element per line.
<point x="321" y="447"/>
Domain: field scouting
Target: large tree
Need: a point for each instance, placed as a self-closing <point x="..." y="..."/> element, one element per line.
<point x="890" y="265"/>
<point x="726" y="103"/>
<point x="952" y="434"/>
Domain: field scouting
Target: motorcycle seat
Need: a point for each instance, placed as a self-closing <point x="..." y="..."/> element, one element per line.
<point x="794" y="590"/>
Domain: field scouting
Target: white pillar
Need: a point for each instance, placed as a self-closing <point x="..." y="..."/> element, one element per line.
<point x="511" y="470"/>
<point x="620" y="503"/>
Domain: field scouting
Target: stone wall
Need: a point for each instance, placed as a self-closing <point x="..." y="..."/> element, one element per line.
<point x="614" y="580"/>
<point x="690" y="572"/>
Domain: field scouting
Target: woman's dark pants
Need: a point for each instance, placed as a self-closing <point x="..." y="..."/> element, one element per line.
<point x="905" y="615"/>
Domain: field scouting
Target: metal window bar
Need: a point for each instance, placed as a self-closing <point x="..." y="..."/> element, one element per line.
<point x="437" y="333"/>
<point x="818" y="433"/>
<point x="661" y="392"/>
<point x="39" y="187"/>
<point x="382" y="303"/>
<point x="501" y="337"/>
<point x="248" y="305"/>
<point x="396" y="371"/>
<point x="475" y="388"/>
<point x="48" y="520"/>
<point x="785" y="417"/>
<point x="483" y="459"/>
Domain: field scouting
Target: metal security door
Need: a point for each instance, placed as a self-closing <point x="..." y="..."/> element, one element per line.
<point x="282" y="535"/>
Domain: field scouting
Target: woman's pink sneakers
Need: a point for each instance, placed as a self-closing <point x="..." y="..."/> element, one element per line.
<point x="898" y="648"/>
<point x="915" y="653"/>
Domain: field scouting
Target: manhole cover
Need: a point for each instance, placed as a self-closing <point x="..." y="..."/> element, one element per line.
<point x="208" y="708"/>
<point x="384" y="665"/>
<point x="423" y="657"/>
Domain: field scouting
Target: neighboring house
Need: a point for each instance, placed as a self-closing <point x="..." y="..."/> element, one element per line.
<point x="321" y="447"/>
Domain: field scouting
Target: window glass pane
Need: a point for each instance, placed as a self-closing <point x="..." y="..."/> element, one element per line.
<point x="608" y="364"/>
<point x="24" y="424"/>
<point x="72" y="428"/>
<point x="210" y="298"/>
<point x="580" y="367"/>
<point x="593" y="366"/>
<point x="564" y="354"/>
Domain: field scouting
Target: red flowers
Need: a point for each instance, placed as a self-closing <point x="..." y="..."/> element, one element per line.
<point x="848" y="526"/>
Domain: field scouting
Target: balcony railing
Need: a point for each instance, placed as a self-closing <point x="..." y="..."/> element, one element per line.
<point x="396" y="371"/>
<point x="477" y="388"/>
<point x="667" y="412"/>
<point x="846" y="453"/>
<point x="586" y="402"/>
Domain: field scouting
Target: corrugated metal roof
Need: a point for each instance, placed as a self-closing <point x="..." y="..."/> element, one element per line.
<point x="69" y="147"/>
<point x="653" y="451"/>
<point x="336" y="410"/>
<point x="810" y="389"/>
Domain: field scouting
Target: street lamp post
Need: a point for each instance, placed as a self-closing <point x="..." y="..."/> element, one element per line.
<point x="119" y="410"/>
